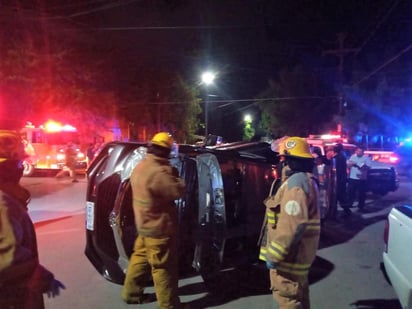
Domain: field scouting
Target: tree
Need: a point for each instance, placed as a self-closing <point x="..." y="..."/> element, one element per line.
<point x="160" y="100"/>
<point x="45" y="74"/>
<point x="295" y="105"/>
<point x="379" y="109"/>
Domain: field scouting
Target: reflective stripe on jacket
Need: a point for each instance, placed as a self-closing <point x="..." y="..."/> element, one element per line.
<point x="155" y="186"/>
<point x="293" y="226"/>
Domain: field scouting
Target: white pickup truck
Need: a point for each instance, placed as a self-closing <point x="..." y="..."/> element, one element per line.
<point x="397" y="255"/>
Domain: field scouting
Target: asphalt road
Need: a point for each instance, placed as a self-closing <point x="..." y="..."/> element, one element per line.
<point x="346" y="274"/>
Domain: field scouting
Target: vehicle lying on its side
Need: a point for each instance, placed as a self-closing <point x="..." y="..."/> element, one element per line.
<point x="397" y="253"/>
<point x="220" y="215"/>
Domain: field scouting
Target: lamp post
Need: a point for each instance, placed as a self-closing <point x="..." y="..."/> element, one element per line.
<point x="207" y="78"/>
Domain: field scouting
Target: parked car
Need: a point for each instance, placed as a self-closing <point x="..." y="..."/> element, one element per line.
<point x="220" y="215"/>
<point x="397" y="254"/>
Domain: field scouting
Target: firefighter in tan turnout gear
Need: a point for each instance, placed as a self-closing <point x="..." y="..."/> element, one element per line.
<point x="155" y="185"/>
<point x="292" y="228"/>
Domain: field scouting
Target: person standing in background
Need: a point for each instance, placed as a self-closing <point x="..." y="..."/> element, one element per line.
<point x="71" y="161"/>
<point x="358" y="165"/>
<point x="340" y="164"/>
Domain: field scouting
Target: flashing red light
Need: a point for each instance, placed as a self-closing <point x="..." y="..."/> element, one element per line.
<point x="54" y="126"/>
<point x="393" y="159"/>
<point x="330" y="136"/>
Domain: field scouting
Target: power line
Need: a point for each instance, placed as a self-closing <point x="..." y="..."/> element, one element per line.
<point x="380" y="22"/>
<point x="229" y="101"/>
<point x="408" y="48"/>
<point x="74" y="5"/>
<point x="174" y="27"/>
<point x="102" y="8"/>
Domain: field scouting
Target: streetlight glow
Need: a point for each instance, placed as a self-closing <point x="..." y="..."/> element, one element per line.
<point x="208" y="77"/>
<point x="247" y="118"/>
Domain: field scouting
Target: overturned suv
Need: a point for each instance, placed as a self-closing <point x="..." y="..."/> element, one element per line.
<point x="220" y="214"/>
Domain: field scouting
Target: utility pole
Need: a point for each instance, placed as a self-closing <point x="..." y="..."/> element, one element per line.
<point x="340" y="52"/>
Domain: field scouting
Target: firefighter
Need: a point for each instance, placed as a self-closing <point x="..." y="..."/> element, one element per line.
<point x="22" y="279"/>
<point x="155" y="185"/>
<point x="71" y="161"/>
<point x="293" y="228"/>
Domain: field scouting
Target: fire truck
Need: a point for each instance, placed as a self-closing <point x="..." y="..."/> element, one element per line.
<point x="45" y="146"/>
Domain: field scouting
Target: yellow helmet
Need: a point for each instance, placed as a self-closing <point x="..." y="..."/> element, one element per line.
<point x="11" y="146"/>
<point x="296" y="147"/>
<point x="163" y="139"/>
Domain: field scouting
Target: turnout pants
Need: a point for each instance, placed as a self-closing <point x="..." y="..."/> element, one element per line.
<point x="289" y="293"/>
<point x="158" y="257"/>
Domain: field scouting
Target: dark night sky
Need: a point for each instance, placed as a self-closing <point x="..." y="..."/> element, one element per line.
<point x="246" y="41"/>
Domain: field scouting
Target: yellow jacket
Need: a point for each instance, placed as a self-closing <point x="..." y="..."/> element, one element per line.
<point x="293" y="226"/>
<point x="155" y="186"/>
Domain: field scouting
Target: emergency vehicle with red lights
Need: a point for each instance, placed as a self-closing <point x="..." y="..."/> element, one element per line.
<point x="45" y="147"/>
<point x="382" y="175"/>
<point x="384" y="156"/>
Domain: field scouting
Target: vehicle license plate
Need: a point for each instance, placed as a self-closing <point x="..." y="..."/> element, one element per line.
<point x="90" y="216"/>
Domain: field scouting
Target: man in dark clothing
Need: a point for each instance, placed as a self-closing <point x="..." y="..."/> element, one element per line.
<point x="339" y="161"/>
<point x="22" y="279"/>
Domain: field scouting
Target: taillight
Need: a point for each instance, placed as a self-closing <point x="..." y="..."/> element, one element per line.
<point x="386" y="235"/>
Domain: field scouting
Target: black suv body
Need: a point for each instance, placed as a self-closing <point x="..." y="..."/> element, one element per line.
<point x="220" y="215"/>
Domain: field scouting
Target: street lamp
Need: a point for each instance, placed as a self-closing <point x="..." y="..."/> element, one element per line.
<point x="208" y="78"/>
<point x="248" y="130"/>
<point x="247" y="118"/>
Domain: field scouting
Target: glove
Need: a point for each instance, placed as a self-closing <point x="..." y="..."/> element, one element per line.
<point x="271" y="265"/>
<point x="54" y="288"/>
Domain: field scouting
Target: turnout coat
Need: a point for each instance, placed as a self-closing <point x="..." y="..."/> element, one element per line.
<point x="292" y="227"/>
